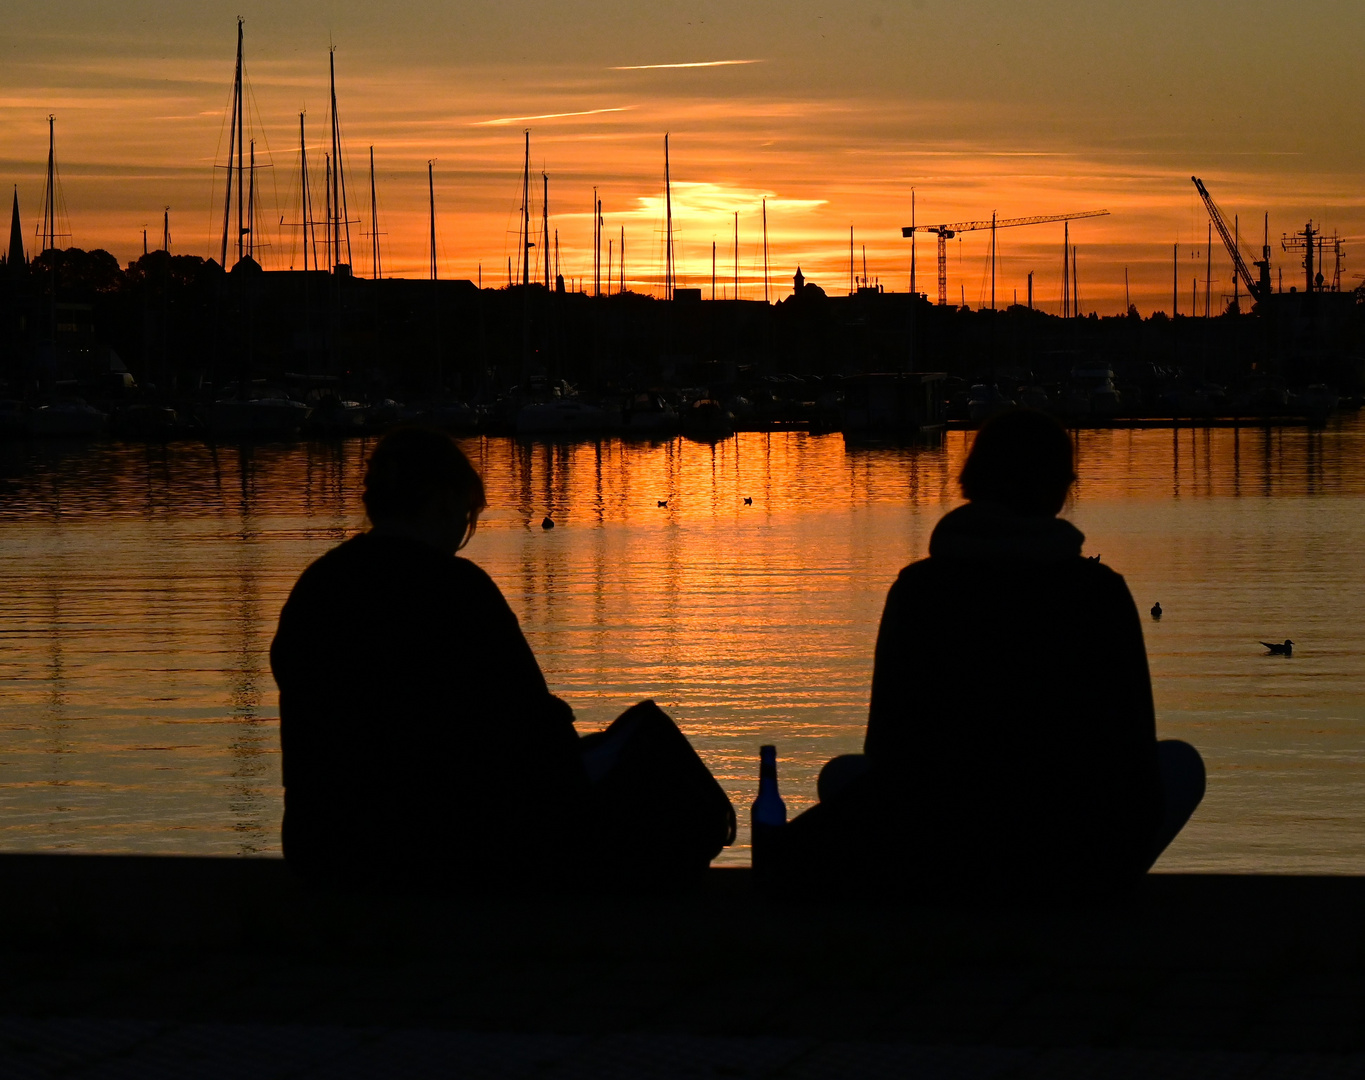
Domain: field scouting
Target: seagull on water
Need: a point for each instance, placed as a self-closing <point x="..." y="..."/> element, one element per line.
<point x="663" y="502"/>
<point x="748" y="500"/>
<point x="1156" y="610"/>
<point x="547" y="522"/>
<point x="1287" y="649"/>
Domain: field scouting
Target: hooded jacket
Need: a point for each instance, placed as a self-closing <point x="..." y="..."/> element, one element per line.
<point x="1011" y="714"/>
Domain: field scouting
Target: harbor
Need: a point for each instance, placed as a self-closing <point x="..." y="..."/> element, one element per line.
<point x="543" y="542"/>
<point x="143" y="584"/>
<point x="250" y="343"/>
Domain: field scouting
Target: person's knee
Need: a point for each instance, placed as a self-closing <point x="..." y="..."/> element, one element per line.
<point x="838" y="773"/>
<point x="1182" y="769"/>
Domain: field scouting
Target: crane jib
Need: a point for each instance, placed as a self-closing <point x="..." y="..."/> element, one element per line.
<point x="1003" y="223"/>
<point x="1258" y="289"/>
<point x="948" y="231"/>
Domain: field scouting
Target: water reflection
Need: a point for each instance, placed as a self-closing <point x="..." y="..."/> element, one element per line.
<point x="139" y="587"/>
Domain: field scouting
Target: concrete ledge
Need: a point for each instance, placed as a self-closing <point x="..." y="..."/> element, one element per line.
<point x="1246" y="964"/>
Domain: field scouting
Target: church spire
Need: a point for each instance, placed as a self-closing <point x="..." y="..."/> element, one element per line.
<point x="16" y="237"/>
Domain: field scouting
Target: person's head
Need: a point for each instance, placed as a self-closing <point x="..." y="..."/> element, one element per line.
<point x="1021" y="459"/>
<point x="419" y="482"/>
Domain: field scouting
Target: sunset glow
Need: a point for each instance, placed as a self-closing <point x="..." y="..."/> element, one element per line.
<point x="833" y="114"/>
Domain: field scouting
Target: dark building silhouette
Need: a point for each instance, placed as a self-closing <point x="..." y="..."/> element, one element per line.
<point x="182" y="326"/>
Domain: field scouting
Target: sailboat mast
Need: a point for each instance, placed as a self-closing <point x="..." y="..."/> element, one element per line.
<point x="850" y="261"/>
<point x="232" y="145"/>
<point x="303" y="190"/>
<point x="1175" y="279"/>
<point x="343" y="208"/>
<point x="50" y="197"/>
<point x="765" y="250"/>
<point x="435" y="289"/>
<point x="912" y="244"/>
<point x="241" y="144"/>
<point x="431" y="206"/>
<point x="713" y="270"/>
<point x="1208" y="270"/>
<point x="375" y="271"/>
<point x="1066" y="269"/>
<point x="334" y="191"/>
<point x="526" y="212"/>
<point x="545" y="225"/>
<point x="736" y="296"/>
<point x="623" y="260"/>
<point x="668" y="227"/>
<point x="166" y="230"/>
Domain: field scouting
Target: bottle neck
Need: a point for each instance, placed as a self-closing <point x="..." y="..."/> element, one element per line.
<point x="767" y="760"/>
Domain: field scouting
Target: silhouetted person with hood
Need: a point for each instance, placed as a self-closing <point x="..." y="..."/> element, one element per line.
<point x="419" y="738"/>
<point x="1011" y="738"/>
<point x="421" y="746"/>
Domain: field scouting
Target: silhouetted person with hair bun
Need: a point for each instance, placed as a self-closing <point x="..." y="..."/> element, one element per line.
<point x="1011" y="738"/>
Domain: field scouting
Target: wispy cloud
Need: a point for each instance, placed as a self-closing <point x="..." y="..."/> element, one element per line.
<point x="547" y="116"/>
<point x="696" y="64"/>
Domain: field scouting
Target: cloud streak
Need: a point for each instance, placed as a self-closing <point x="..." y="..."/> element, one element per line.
<point x="548" y="116"/>
<point x="695" y="64"/>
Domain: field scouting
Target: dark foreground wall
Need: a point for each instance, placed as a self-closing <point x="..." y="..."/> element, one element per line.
<point x="1204" y="975"/>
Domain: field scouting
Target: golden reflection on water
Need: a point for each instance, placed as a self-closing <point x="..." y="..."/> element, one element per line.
<point x="139" y="588"/>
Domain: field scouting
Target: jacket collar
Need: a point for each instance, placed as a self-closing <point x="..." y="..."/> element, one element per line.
<point x="989" y="532"/>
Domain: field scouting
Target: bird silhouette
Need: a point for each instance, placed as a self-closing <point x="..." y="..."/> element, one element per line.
<point x="1156" y="610"/>
<point x="663" y="502"/>
<point x="748" y="500"/>
<point x="546" y="522"/>
<point x="1287" y="649"/>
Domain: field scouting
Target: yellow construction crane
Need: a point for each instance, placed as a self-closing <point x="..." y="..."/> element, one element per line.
<point x="947" y="232"/>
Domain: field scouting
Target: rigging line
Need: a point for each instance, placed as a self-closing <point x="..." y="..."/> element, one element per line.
<point x="258" y="130"/>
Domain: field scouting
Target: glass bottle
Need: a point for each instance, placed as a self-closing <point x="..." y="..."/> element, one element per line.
<point x="768" y="811"/>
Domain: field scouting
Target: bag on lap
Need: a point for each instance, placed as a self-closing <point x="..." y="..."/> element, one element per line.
<point x="663" y="814"/>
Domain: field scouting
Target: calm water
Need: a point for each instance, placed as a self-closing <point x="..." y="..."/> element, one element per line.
<point x="139" y="588"/>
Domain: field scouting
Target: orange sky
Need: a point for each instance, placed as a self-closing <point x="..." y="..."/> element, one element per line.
<point x="842" y="110"/>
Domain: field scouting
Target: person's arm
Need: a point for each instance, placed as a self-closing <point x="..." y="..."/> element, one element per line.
<point x="533" y="718"/>
<point x="1134" y="779"/>
<point x="892" y="695"/>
